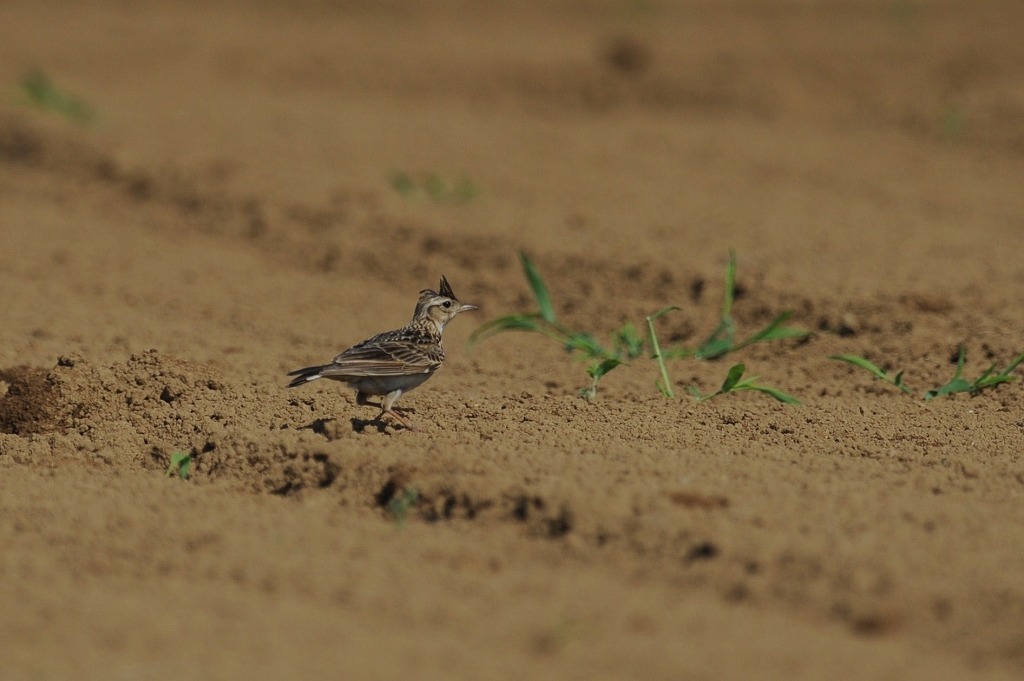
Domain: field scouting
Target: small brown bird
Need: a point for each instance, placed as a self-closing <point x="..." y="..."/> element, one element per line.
<point x="394" y="362"/>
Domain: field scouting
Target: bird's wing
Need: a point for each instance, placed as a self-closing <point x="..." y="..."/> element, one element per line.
<point x="386" y="355"/>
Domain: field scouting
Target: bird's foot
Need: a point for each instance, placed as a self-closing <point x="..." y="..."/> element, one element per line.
<point x="397" y="416"/>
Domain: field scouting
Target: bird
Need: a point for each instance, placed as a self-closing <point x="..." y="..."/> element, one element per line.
<point x="392" y="363"/>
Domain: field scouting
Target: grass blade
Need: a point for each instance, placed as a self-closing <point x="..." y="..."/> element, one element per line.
<point x="509" y="323"/>
<point x="41" y="92"/>
<point x="597" y="371"/>
<point x="733" y="383"/>
<point x="585" y="343"/>
<point x="776" y="331"/>
<point x="665" y="386"/>
<point x="781" y="396"/>
<point x="719" y="343"/>
<point x="730" y="286"/>
<point x="627" y="341"/>
<point x="1013" y="365"/>
<point x="988" y="378"/>
<point x="875" y="371"/>
<point x="865" y="364"/>
<point x="733" y="377"/>
<point x="673" y="308"/>
<point x="956" y="384"/>
<point x="540" y="289"/>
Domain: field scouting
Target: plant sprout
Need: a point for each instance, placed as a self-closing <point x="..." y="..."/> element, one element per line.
<point x="988" y="379"/>
<point x="957" y="384"/>
<point x="40" y="91"/>
<point x="875" y="371"/>
<point x="626" y="344"/>
<point x="722" y="340"/>
<point x="733" y="383"/>
<point x="179" y="465"/>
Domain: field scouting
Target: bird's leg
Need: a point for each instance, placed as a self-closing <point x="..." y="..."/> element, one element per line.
<point x="387" y="407"/>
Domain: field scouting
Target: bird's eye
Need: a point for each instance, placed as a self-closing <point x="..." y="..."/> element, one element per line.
<point x="446" y="304"/>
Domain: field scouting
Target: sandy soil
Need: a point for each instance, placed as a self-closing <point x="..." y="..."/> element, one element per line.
<point x="229" y="216"/>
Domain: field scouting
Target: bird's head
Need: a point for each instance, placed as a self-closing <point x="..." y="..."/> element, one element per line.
<point x="439" y="307"/>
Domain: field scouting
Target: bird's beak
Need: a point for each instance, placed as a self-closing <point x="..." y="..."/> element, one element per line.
<point x="467" y="308"/>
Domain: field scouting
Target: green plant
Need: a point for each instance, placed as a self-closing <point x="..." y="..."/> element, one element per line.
<point x="733" y="383"/>
<point x="401" y="504"/>
<point x="180" y="464"/>
<point x="40" y="91"/>
<point x="665" y="385"/>
<point x="875" y="371"/>
<point x="626" y="344"/>
<point x="988" y="379"/>
<point x="722" y="340"/>
<point x="434" y="187"/>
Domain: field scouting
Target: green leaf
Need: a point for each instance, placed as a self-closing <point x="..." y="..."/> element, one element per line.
<point x="664" y="384"/>
<point x="510" y="323"/>
<point x="733" y="383"/>
<point x="401" y="504"/>
<point x="730" y="286"/>
<point x="664" y="311"/>
<point x="1013" y="365"/>
<point x="597" y="371"/>
<point x="987" y="379"/>
<point x="718" y="343"/>
<point x="733" y="377"/>
<point x="956" y="384"/>
<point x="722" y="340"/>
<point x="540" y="290"/>
<point x="627" y="341"/>
<point x="402" y="183"/>
<point x="875" y="371"/>
<point x="863" y="363"/>
<point x="776" y="393"/>
<point x="465" y="190"/>
<point x="678" y="353"/>
<point x="775" y="331"/>
<point x="179" y="465"/>
<point x="43" y="93"/>
<point x="585" y="343"/>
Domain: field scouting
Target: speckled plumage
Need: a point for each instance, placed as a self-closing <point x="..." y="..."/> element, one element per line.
<point x="394" y="362"/>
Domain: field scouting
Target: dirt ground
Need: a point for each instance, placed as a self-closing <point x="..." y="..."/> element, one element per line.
<point x="234" y="211"/>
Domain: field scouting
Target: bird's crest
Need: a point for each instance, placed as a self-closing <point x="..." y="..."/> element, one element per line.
<point x="445" y="290"/>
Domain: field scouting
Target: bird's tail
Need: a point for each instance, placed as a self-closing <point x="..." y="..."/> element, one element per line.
<point x="303" y="376"/>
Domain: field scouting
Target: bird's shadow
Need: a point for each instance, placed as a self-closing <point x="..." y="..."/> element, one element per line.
<point x="329" y="427"/>
<point x="360" y="425"/>
<point x="380" y="425"/>
<point x="325" y="427"/>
